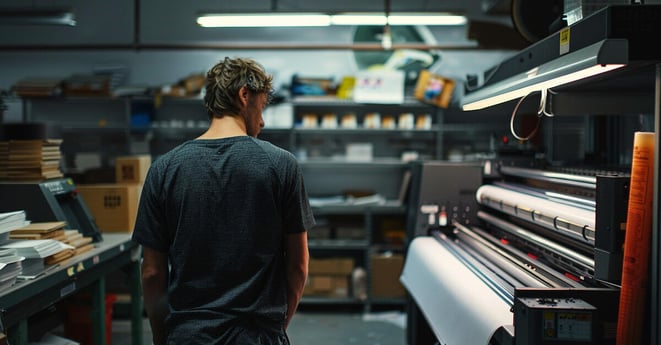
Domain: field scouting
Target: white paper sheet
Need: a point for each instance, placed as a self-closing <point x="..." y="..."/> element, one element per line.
<point x="458" y="306"/>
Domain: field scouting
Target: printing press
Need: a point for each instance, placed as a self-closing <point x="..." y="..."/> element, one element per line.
<point x="516" y="255"/>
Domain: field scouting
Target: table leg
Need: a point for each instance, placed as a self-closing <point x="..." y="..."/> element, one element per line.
<point x="18" y="334"/>
<point x="137" y="306"/>
<point x="99" y="311"/>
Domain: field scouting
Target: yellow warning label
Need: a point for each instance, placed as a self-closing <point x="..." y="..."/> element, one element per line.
<point x="564" y="41"/>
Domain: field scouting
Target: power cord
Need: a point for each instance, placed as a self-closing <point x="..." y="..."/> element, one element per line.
<point x="541" y="111"/>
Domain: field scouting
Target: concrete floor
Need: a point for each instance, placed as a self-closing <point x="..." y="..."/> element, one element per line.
<point x="317" y="327"/>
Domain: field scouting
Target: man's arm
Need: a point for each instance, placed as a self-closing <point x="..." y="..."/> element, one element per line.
<point x="154" y="289"/>
<point x="297" y="259"/>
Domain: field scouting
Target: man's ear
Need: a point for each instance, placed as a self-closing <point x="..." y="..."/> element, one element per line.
<point x="243" y="95"/>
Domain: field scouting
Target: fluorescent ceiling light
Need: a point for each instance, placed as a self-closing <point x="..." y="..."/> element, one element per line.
<point x="320" y="19"/>
<point x="426" y="19"/>
<point x="263" y="20"/>
<point x="598" y="58"/>
<point x="358" y="19"/>
<point x="36" y="17"/>
<point x="397" y="19"/>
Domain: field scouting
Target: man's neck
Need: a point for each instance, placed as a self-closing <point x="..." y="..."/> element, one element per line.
<point x="225" y="127"/>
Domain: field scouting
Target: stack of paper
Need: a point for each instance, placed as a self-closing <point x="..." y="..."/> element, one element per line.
<point x="42" y="245"/>
<point x="35" y="249"/>
<point x="61" y="255"/>
<point x="37" y="87"/>
<point x="33" y="268"/>
<point x="39" y="230"/>
<point x="51" y="339"/>
<point x="30" y="160"/>
<point x="10" y="268"/>
<point x="78" y="241"/>
<point x="51" y="251"/>
<point x="12" y="220"/>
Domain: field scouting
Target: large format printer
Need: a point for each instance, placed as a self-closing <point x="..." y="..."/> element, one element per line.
<point x="534" y="256"/>
<point x="520" y="263"/>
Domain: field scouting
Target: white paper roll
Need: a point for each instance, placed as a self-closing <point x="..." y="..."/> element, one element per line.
<point x="458" y="306"/>
<point x="576" y="215"/>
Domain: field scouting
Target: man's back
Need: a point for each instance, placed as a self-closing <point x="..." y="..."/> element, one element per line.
<point x="220" y="208"/>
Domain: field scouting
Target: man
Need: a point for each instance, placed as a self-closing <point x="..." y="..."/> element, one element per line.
<point x="222" y="222"/>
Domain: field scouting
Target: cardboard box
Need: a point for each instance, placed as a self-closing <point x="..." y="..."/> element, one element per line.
<point x="113" y="206"/>
<point x="330" y="266"/>
<point x="327" y="286"/>
<point x="434" y="89"/>
<point x="132" y="169"/>
<point x="350" y="233"/>
<point x="319" y="232"/>
<point x="385" y="272"/>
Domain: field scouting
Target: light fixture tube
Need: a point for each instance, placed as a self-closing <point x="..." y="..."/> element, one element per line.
<point x="264" y="20"/>
<point x="320" y="19"/>
<point x="433" y="19"/>
<point x="36" y="17"/>
<point x="598" y="58"/>
<point x="358" y="19"/>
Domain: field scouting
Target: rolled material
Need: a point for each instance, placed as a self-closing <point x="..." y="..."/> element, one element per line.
<point x="571" y="220"/>
<point x="458" y="306"/>
<point x="637" y="239"/>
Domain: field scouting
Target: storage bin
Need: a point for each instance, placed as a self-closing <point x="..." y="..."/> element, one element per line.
<point x="78" y="320"/>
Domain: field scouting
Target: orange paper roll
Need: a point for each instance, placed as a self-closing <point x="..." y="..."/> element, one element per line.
<point x="635" y="267"/>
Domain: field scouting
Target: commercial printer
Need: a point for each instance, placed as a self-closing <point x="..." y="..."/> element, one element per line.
<point x="521" y="253"/>
<point x="534" y="255"/>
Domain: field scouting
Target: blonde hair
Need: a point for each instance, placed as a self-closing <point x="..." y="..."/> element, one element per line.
<point x="226" y="78"/>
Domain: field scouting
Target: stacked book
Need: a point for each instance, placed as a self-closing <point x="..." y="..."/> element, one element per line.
<point x="30" y="160"/>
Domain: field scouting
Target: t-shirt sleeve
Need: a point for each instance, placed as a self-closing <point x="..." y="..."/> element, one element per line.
<point x="298" y="215"/>
<point x="149" y="229"/>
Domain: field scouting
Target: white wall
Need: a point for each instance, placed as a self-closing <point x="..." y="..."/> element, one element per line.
<point x="156" y="68"/>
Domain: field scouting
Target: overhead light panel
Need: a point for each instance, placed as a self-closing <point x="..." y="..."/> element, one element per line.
<point x="358" y="19"/>
<point x="433" y="19"/>
<point x="592" y="60"/>
<point x="398" y="19"/>
<point x="37" y="17"/>
<point x="320" y="19"/>
<point x="264" y="20"/>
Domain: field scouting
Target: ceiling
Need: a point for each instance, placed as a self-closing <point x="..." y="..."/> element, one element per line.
<point x="493" y="10"/>
<point x="490" y="23"/>
<point x="172" y="23"/>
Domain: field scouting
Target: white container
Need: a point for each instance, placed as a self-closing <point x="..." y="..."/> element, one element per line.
<point x="359" y="152"/>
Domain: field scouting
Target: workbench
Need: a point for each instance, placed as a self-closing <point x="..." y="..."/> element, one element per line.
<point x="86" y="270"/>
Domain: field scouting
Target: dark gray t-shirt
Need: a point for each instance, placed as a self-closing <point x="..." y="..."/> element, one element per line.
<point x="221" y="209"/>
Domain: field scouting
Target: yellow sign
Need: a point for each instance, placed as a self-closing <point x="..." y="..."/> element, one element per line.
<point x="564" y="41"/>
